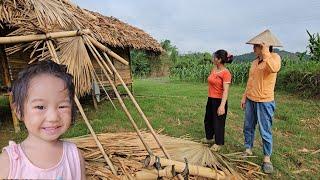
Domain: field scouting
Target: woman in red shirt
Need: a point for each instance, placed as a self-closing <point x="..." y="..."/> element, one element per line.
<point x="216" y="110"/>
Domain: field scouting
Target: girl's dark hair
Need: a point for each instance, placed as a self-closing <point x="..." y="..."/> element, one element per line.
<point x="21" y="85"/>
<point x="223" y="55"/>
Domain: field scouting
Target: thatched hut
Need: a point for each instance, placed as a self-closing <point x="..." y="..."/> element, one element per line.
<point x="34" y="17"/>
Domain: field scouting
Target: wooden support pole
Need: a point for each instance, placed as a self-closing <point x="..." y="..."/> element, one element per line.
<point x="118" y="96"/>
<point x="95" y="103"/>
<point x="107" y="50"/>
<point x="7" y="83"/>
<point x="55" y="57"/>
<point x="38" y="37"/>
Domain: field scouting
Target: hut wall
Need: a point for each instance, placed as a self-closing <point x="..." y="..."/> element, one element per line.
<point x="123" y="70"/>
<point x="17" y="62"/>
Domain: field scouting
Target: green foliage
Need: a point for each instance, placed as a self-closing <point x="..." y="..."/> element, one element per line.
<point x="240" y="72"/>
<point x="300" y="72"/>
<point x="171" y="51"/>
<point x="302" y="77"/>
<point x="140" y="64"/>
<point x="192" y="67"/>
<point x="314" y="46"/>
<point x="144" y="64"/>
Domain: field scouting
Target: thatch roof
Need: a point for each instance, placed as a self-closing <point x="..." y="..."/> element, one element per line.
<point x="28" y="17"/>
<point x="119" y="34"/>
<point x="36" y="16"/>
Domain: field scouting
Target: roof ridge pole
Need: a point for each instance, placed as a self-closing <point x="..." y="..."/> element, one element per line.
<point x="135" y="126"/>
<point x="38" y="37"/>
<point x="55" y="58"/>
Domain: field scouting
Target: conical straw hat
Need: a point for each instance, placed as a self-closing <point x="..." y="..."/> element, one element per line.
<point x="265" y="37"/>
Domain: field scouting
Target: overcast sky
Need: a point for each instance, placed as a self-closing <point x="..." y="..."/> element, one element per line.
<point x="208" y="25"/>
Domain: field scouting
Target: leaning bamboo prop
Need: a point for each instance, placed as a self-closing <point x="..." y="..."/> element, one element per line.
<point x="137" y="106"/>
<point x="55" y="58"/>
<point x="98" y="59"/>
<point x="38" y="37"/>
<point x="182" y="167"/>
<point x="92" y="42"/>
<point x="105" y="49"/>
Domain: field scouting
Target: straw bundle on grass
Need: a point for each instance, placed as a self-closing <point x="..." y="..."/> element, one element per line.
<point x="128" y="154"/>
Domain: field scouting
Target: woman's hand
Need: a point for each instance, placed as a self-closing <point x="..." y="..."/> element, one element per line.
<point x="243" y="102"/>
<point x="221" y="110"/>
<point x="265" y="50"/>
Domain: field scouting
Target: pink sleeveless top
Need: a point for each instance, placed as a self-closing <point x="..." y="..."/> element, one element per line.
<point x="22" y="168"/>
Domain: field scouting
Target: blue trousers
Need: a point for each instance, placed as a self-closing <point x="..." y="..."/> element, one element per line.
<point x="261" y="113"/>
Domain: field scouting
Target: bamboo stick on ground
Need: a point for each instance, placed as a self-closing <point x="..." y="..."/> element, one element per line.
<point x="55" y="57"/>
<point x="193" y="170"/>
<point x="38" y="37"/>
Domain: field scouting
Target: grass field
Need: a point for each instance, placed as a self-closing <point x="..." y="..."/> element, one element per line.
<point x="179" y="108"/>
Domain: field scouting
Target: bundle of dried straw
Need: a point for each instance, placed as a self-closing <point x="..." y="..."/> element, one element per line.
<point x="128" y="155"/>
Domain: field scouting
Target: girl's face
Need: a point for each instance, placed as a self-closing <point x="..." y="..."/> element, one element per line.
<point x="47" y="109"/>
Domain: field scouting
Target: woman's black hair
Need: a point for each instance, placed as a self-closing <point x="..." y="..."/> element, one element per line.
<point x="271" y="49"/>
<point x="223" y="55"/>
<point x="21" y="84"/>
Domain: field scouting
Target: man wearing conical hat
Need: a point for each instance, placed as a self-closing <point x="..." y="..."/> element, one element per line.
<point x="258" y="98"/>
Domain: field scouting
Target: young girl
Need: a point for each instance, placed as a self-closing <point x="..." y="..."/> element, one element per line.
<point x="43" y="97"/>
<point x="217" y="107"/>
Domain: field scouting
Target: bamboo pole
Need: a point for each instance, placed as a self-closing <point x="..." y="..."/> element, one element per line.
<point x="107" y="50"/>
<point x="55" y="57"/>
<point x="193" y="170"/>
<point x="147" y="174"/>
<point x="38" y="37"/>
<point x="137" y="106"/>
<point x="13" y="114"/>
<point x="119" y="97"/>
<point x="7" y="82"/>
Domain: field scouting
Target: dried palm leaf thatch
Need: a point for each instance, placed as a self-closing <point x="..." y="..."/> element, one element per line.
<point x="25" y="17"/>
<point x="50" y="14"/>
<point x="128" y="154"/>
<point x="120" y="34"/>
<point x="73" y="54"/>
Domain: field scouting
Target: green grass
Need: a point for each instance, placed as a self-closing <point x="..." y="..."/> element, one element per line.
<point x="179" y="108"/>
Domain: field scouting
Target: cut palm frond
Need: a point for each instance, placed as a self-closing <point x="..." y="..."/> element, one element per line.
<point x="73" y="54"/>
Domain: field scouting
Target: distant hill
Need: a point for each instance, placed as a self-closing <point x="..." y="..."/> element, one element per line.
<point x="251" y="56"/>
